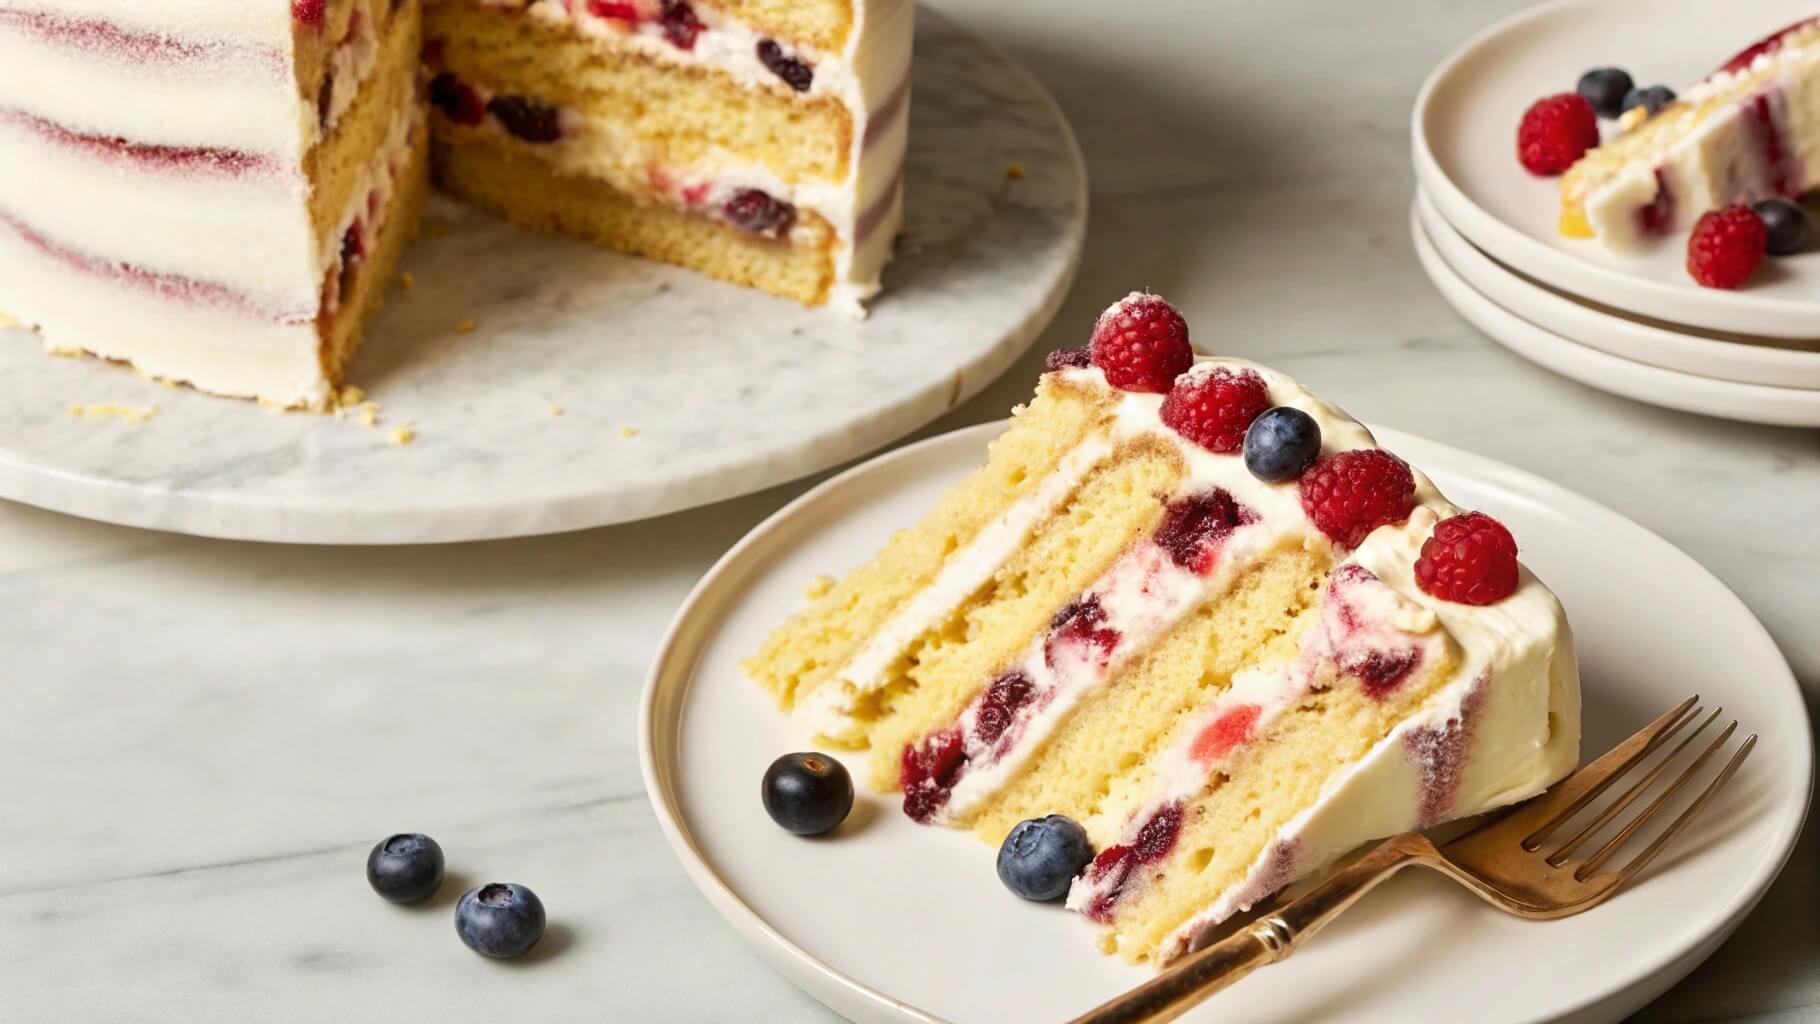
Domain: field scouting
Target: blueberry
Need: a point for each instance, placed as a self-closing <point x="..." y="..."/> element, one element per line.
<point x="807" y="794"/>
<point x="1281" y="443"/>
<point x="1041" y="857"/>
<point x="405" y="868"/>
<point x="1786" y="223"/>
<point x="1605" y="89"/>
<point x="1652" y="99"/>
<point x="500" y="919"/>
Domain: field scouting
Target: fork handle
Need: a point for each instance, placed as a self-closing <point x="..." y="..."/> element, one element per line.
<point x="1265" y="941"/>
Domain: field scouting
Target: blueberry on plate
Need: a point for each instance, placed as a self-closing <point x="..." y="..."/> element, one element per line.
<point x="1605" y="89"/>
<point x="808" y="794"/>
<point x="500" y="919"/>
<point x="406" y="868"/>
<point x="1041" y="857"/>
<point x="1652" y="99"/>
<point x="1786" y="224"/>
<point x="1281" y="443"/>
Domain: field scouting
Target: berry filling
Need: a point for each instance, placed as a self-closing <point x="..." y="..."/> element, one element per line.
<point x="1768" y="44"/>
<point x="1227" y="733"/>
<point x="928" y="772"/>
<point x="309" y="12"/>
<point x="526" y="118"/>
<point x="794" y="72"/>
<point x="1078" y="633"/>
<point x="1111" y="871"/>
<point x="1194" y="528"/>
<point x="680" y="24"/>
<point x="760" y="213"/>
<point x="457" y="100"/>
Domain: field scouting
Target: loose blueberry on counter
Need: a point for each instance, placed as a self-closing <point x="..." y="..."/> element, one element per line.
<point x="1605" y="89"/>
<point x="808" y="794"/>
<point x="1786" y="224"/>
<point x="1281" y="443"/>
<point x="406" y="868"/>
<point x="1652" y="99"/>
<point x="1041" y="857"/>
<point x="499" y="920"/>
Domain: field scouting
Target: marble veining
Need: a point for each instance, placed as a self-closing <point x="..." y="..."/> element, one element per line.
<point x="200" y="739"/>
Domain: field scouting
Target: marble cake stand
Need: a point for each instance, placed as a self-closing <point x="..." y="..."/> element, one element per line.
<point x="588" y="388"/>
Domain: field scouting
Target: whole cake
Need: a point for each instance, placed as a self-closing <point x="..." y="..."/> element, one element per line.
<point x="212" y="190"/>
<point x="1200" y="611"/>
<point x="1748" y="132"/>
<point x="217" y="191"/>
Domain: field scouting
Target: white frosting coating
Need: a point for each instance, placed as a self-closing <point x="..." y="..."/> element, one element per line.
<point x="1718" y="156"/>
<point x="267" y="23"/>
<point x="1516" y="680"/>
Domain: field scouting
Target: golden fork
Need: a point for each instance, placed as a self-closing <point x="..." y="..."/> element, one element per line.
<point x="1507" y="860"/>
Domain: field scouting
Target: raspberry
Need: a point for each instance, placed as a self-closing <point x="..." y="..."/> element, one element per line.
<point x="1726" y="247"/>
<point x="1213" y="407"/>
<point x="309" y="12"/>
<point x="1556" y="132"/>
<point x="1141" y="343"/>
<point x="1353" y="493"/>
<point x="681" y="26"/>
<point x="795" y="73"/>
<point x="529" y="119"/>
<point x="457" y="101"/>
<point x="760" y="213"/>
<point x="1470" y="559"/>
<point x="1068" y="359"/>
<point x="613" y="10"/>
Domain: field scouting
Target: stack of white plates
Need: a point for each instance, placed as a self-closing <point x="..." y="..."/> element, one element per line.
<point x="1634" y="325"/>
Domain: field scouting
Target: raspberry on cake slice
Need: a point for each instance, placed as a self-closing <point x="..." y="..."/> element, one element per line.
<point x="1178" y="601"/>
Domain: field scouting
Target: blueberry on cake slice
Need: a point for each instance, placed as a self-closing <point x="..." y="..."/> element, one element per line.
<point x="212" y="190"/>
<point x="1201" y="612"/>
<point x="1743" y="134"/>
<point x="757" y="141"/>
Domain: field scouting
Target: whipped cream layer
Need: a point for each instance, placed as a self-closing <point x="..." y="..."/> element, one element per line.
<point x="1743" y="134"/>
<point x="871" y="78"/>
<point x="1502" y="728"/>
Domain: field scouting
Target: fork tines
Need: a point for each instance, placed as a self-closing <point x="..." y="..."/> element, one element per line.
<point x="1567" y="799"/>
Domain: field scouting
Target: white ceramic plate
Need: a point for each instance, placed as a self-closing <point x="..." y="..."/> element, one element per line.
<point x="1769" y="362"/>
<point x="728" y="390"/>
<point x="1750" y="403"/>
<point x="887" y="921"/>
<point x="1464" y="136"/>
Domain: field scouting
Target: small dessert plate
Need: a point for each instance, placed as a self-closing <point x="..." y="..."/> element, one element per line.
<point x="1464" y="138"/>
<point x="1768" y="361"/>
<point x="1670" y="389"/>
<point x="888" y="921"/>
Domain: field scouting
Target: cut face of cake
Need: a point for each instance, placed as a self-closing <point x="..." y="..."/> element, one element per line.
<point x="757" y="141"/>
<point x="1229" y="681"/>
<point x="1748" y="132"/>
<point x="212" y="190"/>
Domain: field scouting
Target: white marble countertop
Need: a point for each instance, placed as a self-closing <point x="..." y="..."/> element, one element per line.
<point x="199" y="740"/>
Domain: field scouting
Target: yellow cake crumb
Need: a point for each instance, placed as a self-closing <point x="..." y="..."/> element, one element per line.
<point x="555" y="410"/>
<point x="403" y="434"/>
<point x="407" y="280"/>
<point x="1015" y="171"/>
<point x="350" y="396"/>
<point x="628" y="432"/>
<point x="7" y="322"/>
<point x="466" y="327"/>
<point x="369" y="413"/>
<point x="817" y="587"/>
<point x="112" y="410"/>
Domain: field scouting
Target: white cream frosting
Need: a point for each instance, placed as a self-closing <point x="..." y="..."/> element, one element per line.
<point x="1516" y="654"/>
<point x="1717" y="156"/>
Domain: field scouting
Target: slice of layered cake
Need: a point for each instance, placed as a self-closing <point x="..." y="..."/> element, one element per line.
<point x="1748" y="132"/>
<point x="758" y="141"/>
<point x="1200" y="611"/>
<point x="212" y="190"/>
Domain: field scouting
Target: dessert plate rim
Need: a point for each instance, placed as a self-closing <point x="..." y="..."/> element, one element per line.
<point x="1732" y="359"/>
<point x="676" y="670"/>
<point x="518" y="406"/>
<point x="1563" y="264"/>
<point x="1652" y="385"/>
